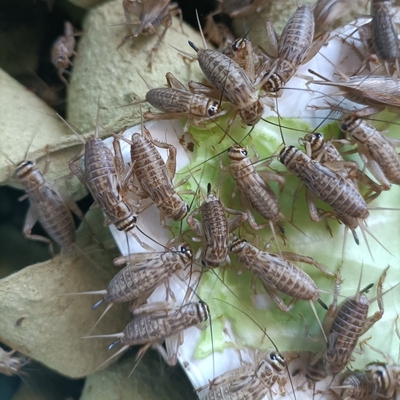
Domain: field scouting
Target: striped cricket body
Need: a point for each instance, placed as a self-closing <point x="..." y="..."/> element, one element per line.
<point x="248" y="381"/>
<point x="176" y="101"/>
<point x="293" y="48"/>
<point x="102" y="176"/>
<point x="46" y="205"/>
<point x="278" y="273"/>
<point x="214" y="228"/>
<point x="326" y="184"/>
<point x="157" y="322"/>
<point x="384" y="38"/>
<point x="359" y="386"/>
<point x="155" y="176"/>
<point x="233" y="82"/>
<point x="376" y="150"/>
<point x="344" y="325"/>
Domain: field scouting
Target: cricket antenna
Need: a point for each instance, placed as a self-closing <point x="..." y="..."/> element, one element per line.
<point x="29" y="145"/>
<point x="96" y="135"/>
<point x="74" y="129"/>
<point x="201" y="32"/>
<point x="318" y="320"/>
<point x="280" y="127"/>
<point x="252" y="319"/>
<point x="8" y="158"/>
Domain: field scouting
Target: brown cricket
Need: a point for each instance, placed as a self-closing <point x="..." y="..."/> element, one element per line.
<point x="63" y="50"/>
<point x="384" y="34"/>
<point x="384" y="376"/>
<point x="327" y="154"/>
<point x="245" y="54"/>
<point x="143" y="273"/>
<point x="376" y="92"/>
<point x="326" y="13"/>
<point x="47" y="207"/>
<point x="279" y="274"/>
<point x="377" y="151"/>
<point x="254" y="188"/>
<point x="176" y="101"/>
<point x="344" y="324"/>
<point x="152" y="14"/>
<point x="154" y="176"/>
<point x="292" y="50"/>
<point x="103" y="173"/>
<point x="380" y="36"/>
<point x="233" y="83"/>
<point x="214" y="228"/>
<point x="356" y="386"/>
<point x="218" y="33"/>
<point x="11" y="363"/>
<point x="325" y="184"/>
<point x="248" y="381"/>
<point x="158" y="322"/>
